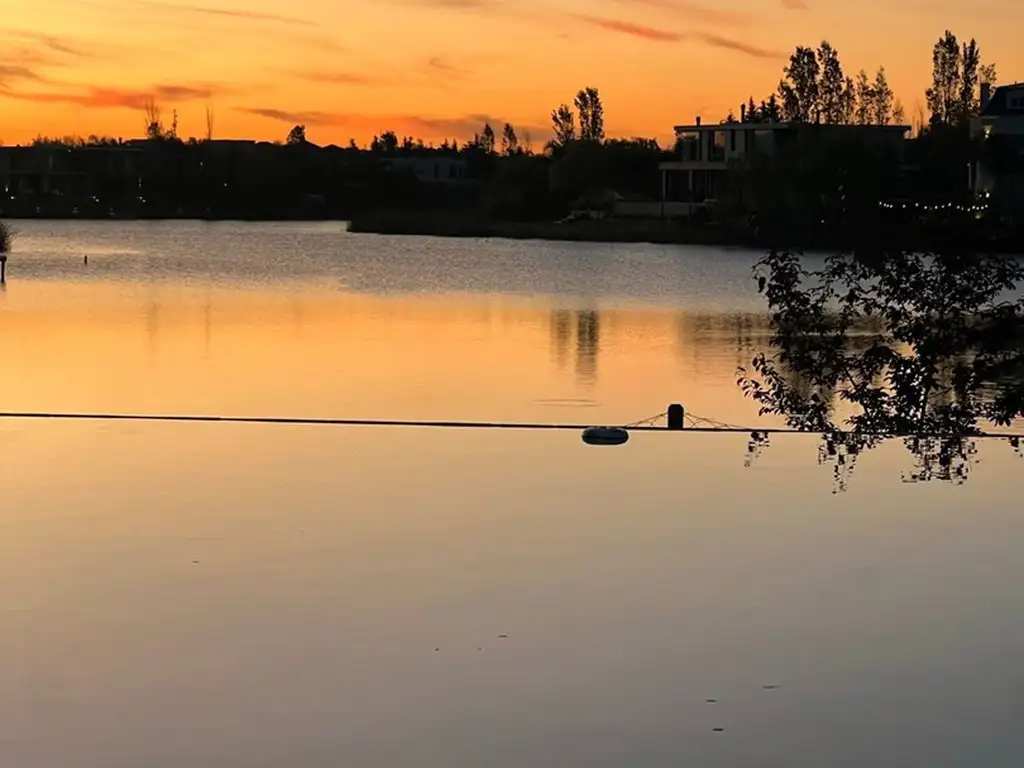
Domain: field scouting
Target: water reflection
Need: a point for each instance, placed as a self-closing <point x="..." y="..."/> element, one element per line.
<point x="925" y="347"/>
<point x="561" y="336"/>
<point x="323" y="353"/>
<point x="588" y="341"/>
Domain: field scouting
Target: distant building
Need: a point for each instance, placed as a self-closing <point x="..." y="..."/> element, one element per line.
<point x="53" y="169"/>
<point x="999" y="171"/>
<point x="432" y="169"/>
<point x="709" y="156"/>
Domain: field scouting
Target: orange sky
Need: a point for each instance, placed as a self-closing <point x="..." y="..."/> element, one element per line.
<point x="434" y="68"/>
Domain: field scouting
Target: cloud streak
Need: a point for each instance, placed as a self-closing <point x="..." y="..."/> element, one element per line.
<point x="228" y="13"/>
<point x="295" y="117"/>
<point x="659" y="35"/>
<point x="461" y="126"/>
<point x="728" y="44"/>
<point x="337" y="78"/>
<point x="10" y="72"/>
<point x="440" y="65"/>
<point x="115" y="98"/>
<point x="53" y="43"/>
<point x="634" y="30"/>
<point x="694" y="11"/>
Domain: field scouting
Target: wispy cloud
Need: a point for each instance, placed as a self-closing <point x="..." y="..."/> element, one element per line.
<point x="112" y="98"/>
<point x="337" y="78"/>
<point x="10" y="72"/>
<point x="54" y="43"/>
<point x="694" y="11"/>
<point x="234" y="14"/>
<point x="295" y="118"/>
<point x="459" y="126"/>
<point x="635" y="30"/>
<point x="795" y="5"/>
<point x="459" y="5"/>
<point x="660" y="35"/>
<point x="728" y="44"/>
<point x="439" y="64"/>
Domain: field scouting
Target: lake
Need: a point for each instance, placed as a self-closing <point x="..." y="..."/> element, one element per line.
<point x="244" y="595"/>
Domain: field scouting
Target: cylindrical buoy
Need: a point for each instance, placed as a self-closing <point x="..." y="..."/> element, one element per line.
<point x="605" y="435"/>
<point x="676" y="415"/>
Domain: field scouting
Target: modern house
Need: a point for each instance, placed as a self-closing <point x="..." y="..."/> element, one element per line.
<point x="999" y="171"/>
<point x="710" y="157"/>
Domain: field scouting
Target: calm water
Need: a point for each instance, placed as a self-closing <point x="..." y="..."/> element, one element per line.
<point x="233" y="595"/>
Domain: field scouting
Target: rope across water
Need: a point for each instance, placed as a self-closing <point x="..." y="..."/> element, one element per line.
<point x="694" y="424"/>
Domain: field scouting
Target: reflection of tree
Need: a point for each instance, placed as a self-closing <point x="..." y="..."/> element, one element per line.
<point x="945" y="355"/>
<point x="561" y="335"/>
<point x="740" y="329"/>
<point x="588" y="333"/>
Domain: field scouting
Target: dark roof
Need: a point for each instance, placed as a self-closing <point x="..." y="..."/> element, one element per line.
<point x="997" y="105"/>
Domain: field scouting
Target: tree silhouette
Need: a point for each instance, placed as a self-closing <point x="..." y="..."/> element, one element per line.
<point x="970" y="61"/>
<point x="563" y="124"/>
<point x="509" y="141"/>
<point x="296" y="135"/>
<point x="987" y="74"/>
<point x="944" y="93"/>
<point x="832" y="90"/>
<point x="750" y="114"/>
<point x="386" y="143"/>
<point x="957" y="72"/>
<point x="591" y="113"/>
<point x="209" y="122"/>
<point x="771" y="110"/>
<point x="154" y="127"/>
<point x="882" y="99"/>
<point x="899" y="116"/>
<point x="798" y="89"/>
<point x="944" y="353"/>
<point x="865" y="99"/>
<point x="487" y="139"/>
<point x="526" y="143"/>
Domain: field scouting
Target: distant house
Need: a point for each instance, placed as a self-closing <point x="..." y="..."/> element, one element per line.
<point x="53" y="169"/>
<point x="432" y="169"/>
<point x="709" y="156"/>
<point x="999" y="171"/>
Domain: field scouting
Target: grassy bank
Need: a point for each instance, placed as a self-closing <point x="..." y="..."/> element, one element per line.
<point x="604" y="231"/>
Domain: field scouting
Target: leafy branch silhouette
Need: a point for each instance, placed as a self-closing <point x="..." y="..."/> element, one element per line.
<point x="918" y="343"/>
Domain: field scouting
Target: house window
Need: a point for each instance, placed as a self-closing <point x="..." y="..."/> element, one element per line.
<point x="718" y="146"/>
<point x="1015" y="100"/>
<point x="732" y="140"/>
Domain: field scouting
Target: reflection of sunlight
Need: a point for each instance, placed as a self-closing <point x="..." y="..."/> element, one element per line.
<point x="169" y="348"/>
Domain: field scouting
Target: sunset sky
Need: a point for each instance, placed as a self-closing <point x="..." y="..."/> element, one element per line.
<point x="435" y="68"/>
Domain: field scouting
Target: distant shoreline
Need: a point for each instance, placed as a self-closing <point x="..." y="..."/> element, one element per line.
<point x="468" y="226"/>
<point x="653" y="231"/>
<point x="445" y="224"/>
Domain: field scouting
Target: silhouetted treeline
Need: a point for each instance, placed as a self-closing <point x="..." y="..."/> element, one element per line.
<point x="499" y="174"/>
<point x="164" y="176"/>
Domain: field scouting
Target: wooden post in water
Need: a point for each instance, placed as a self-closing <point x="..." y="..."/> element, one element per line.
<point x="3" y="267"/>
<point x="675" y="416"/>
